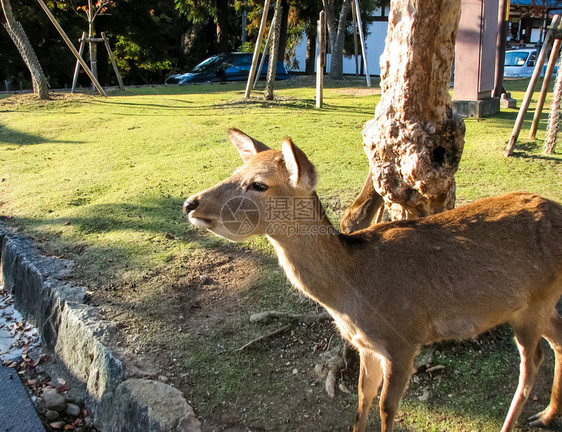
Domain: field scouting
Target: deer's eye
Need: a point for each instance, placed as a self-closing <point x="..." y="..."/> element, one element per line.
<point x="260" y="187"/>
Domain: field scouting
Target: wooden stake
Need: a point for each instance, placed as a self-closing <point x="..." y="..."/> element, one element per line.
<point x="544" y="88"/>
<point x="257" y="50"/>
<point x="320" y="58"/>
<point x="530" y="88"/>
<point x="362" y="38"/>
<point x="113" y="62"/>
<point x="77" y="67"/>
<point x="69" y="43"/>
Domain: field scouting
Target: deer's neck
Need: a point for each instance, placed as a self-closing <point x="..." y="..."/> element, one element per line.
<point x="312" y="256"/>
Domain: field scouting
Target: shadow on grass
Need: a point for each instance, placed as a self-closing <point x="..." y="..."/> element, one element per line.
<point x="162" y="217"/>
<point x="12" y="136"/>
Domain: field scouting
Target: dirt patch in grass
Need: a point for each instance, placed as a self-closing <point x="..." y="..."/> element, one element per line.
<point x="360" y="91"/>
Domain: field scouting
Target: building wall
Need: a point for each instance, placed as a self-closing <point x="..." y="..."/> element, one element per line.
<point x="374" y="44"/>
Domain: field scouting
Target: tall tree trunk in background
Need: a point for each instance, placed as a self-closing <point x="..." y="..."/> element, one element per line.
<point x="93" y="49"/>
<point x="336" y="59"/>
<point x="283" y="31"/>
<point x="222" y="25"/>
<point x="310" y="54"/>
<point x="17" y="33"/>
<point x="336" y="35"/>
<point x="415" y="142"/>
<point x="273" y="52"/>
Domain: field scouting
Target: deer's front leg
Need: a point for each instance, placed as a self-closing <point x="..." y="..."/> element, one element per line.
<point x="397" y="373"/>
<point x="370" y="378"/>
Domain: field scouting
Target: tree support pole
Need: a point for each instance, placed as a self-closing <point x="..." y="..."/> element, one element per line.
<point x="69" y="43"/>
<point x="257" y="50"/>
<point x="262" y="61"/>
<point x="362" y="38"/>
<point x="77" y="67"/>
<point x="544" y="88"/>
<point x="531" y="87"/>
<point x="113" y="62"/>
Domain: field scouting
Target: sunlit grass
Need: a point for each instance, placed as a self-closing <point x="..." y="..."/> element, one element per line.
<point x="102" y="181"/>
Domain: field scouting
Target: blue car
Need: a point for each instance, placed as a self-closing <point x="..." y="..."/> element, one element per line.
<point x="225" y="67"/>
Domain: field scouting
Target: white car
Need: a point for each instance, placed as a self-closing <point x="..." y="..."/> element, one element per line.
<point x="520" y="63"/>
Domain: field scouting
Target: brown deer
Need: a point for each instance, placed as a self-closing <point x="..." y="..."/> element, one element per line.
<point x="396" y="286"/>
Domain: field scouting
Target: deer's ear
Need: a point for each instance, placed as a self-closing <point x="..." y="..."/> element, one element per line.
<point x="246" y="145"/>
<point x="301" y="171"/>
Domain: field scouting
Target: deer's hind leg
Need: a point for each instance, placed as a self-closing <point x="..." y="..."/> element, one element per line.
<point x="528" y="328"/>
<point x="370" y="378"/>
<point x="553" y="335"/>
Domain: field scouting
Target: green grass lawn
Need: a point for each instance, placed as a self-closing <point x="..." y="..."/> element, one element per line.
<point x="101" y="181"/>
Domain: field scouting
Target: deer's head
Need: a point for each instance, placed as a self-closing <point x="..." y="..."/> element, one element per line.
<point x="259" y="193"/>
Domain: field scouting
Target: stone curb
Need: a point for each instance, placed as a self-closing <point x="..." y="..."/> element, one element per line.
<point x="78" y="337"/>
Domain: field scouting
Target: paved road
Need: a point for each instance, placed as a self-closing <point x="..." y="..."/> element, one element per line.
<point x="17" y="413"/>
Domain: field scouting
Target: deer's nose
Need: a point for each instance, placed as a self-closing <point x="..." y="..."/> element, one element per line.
<point x="190" y="204"/>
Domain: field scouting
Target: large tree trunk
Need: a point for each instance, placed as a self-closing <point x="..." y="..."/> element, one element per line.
<point x="222" y="25"/>
<point x="283" y="31"/>
<point x="336" y="35"/>
<point x="17" y="33"/>
<point x="336" y="59"/>
<point x="273" y="52"/>
<point x="310" y="54"/>
<point x="415" y="142"/>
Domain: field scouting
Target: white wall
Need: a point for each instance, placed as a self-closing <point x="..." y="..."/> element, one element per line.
<point x="374" y="48"/>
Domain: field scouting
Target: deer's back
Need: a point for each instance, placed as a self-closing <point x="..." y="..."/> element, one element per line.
<point x="464" y="270"/>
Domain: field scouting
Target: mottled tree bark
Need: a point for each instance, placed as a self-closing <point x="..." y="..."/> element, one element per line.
<point x="274" y="48"/>
<point x="17" y="33"/>
<point x="415" y="142"/>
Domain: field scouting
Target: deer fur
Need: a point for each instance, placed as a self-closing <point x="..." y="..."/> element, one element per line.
<point x="396" y="286"/>
<point x="368" y="207"/>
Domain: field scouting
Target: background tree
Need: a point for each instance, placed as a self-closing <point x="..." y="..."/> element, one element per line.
<point x="336" y="34"/>
<point x="18" y="35"/>
<point x="91" y="10"/>
<point x="219" y="11"/>
<point x="274" y="48"/>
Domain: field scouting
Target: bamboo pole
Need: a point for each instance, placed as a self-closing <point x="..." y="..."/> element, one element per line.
<point x="544" y="88"/>
<point x="69" y="43"/>
<point x="77" y="67"/>
<point x="362" y="38"/>
<point x="257" y="50"/>
<point x="113" y="62"/>
<point x="530" y="88"/>
<point x="262" y="61"/>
